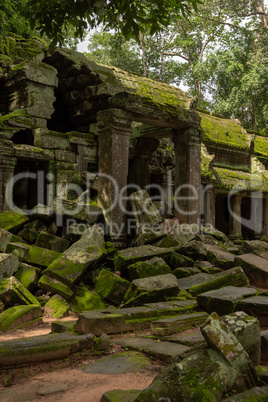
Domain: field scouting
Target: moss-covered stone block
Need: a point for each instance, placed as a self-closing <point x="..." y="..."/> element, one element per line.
<point x="13" y="292"/>
<point x="175" y="260"/>
<point x="54" y="286"/>
<point x="111" y="286"/>
<point x="9" y="264"/>
<point x="144" y="269"/>
<point x="41" y="257"/>
<point x="132" y="255"/>
<point x="52" y="242"/>
<point x="28" y="276"/>
<point x="68" y="271"/>
<point x="6" y="238"/>
<point x="119" y="395"/>
<point x="19" y="250"/>
<point x="57" y="307"/>
<point x="85" y="299"/>
<point x="31" y="231"/>
<point x="20" y="317"/>
<point x="151" y="290"/>
<point x="13" y="219"/>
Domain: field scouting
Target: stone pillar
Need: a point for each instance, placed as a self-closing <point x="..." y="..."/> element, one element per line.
<point x="168" y="190"/>
<point x="265" y="218"/>
<point x="209" y="205"/>
<point x="187" y="175"/>
<point x="7" y="166"/>
<point x="114" y="129"/>
<point x="235" y="228"/>
<point x="140" y="174"/>
<point x="257" y="215"/>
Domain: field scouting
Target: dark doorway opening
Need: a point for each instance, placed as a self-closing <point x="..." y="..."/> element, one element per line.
<point x="222" y="214"/>
<point x="30" y="184"/>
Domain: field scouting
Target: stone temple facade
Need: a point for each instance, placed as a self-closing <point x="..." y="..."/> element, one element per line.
<point x="68" y="125"/>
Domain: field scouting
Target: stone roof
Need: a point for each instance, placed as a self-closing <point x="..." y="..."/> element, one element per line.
<point x="241" y="181"/>
<point x="224" y="131"/>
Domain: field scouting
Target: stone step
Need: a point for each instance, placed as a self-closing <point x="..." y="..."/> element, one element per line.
<point x="192" y="338"/>
<point x="161" y="350"/>
<point x="172" y="325"/>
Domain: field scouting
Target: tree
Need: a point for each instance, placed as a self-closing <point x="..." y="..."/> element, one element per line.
<point x="130" y="17"/>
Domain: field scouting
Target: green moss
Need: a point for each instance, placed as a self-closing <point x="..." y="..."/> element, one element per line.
<point x="85" y="299"/>
<point x="57" y="307"/>
<point x="223" y="131"/>
<point x="229" y="179"/>
<point x="261" y="146"/>
<point x="41" y="256"/>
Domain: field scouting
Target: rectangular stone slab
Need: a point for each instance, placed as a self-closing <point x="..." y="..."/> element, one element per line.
<point x="162" y="350"/>
<point x="256" y="306"/>
<point x="256" y="269"/>
<point x="171" y="325"/>
<point x="224" y="300"/>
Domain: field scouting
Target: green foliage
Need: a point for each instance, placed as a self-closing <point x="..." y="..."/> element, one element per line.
<point x="128" y="16"/>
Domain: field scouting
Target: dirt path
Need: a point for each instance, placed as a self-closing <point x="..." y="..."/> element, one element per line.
<point x="24" y="383"/>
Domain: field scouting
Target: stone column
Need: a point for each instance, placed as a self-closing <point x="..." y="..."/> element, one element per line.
<point x="209" y="205"/>
<point x="187" y="175"/>
<point x="7" y="166"/>
<point x="235" y="228"/>
<point x="168" y="190"/>
<point x="265" y="218"/>
<point x="114" y="129"/>
<point x="257" y="215"/>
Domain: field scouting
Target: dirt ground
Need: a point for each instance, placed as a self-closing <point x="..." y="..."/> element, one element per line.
<point x="24" y="383"/>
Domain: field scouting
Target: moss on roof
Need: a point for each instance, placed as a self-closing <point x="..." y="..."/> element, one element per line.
<point x="224" y="131"/>
<point x="261" y="146"/>
<point x="113" y="81"/>
<point x="238" y="180"/>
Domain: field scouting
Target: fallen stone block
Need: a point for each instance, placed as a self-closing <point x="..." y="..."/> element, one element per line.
<point x="19" y="250"/>
<point x="144" y="269"/>
<point x="172" y="325"/>
<point x="201" y="283"/>
<point x="194" y="249"/>
<point x="40" y="257"/>
<point x="13" y="292"/>
<point x="92" y="239"/>
<point x="9" y="265"/>
<point x="152" y="289"/>
<point x="85" y="299"/>
<point x="13" y="219"/>
<point x="83" y="211"/>
<point x="6" y="238"/>
<point x="63" y="326"/>
<point x="175" y="260"/>
<point x="19" y="317"/>
<point x="224" y="300"/>
<point x="54" y="286"/>
<point x="185" y="272"/>
<point x="31" y="231"/>
<point x="99" y="322"/>
<point x="257" y="247"/>
<point x="161" y="350"/>
<point x="57" y="307"/>
<point x="256" y="269"/>
<point x="52" y="389"/>
<point x="131" y="255"/>
<point x="256" y="306"/>
<point x="247" y="330"/>
<point x="219" y="257"/>
<point x="27" y="351"/>
<point x="220" y="337"/>
<point x="70" y="271"/>
<point x="189" y="338"/>
<point x="111" y="286"/>
<point x="52" y="242"/>
<point x="143" y="209"/>
<point x="42" y="212"/>
<point x="28" y="276"/>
